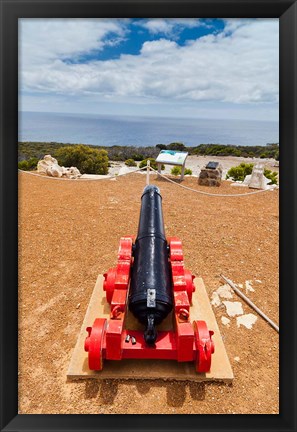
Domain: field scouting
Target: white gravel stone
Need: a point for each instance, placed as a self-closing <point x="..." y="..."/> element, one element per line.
<point x="248" y="286"/>
<point x="233" y="308"/>
<point x="225" y="321"/>
<point x="225" y="291"/>
<point x="247" y="320"/>
<point x="215" y="299"/>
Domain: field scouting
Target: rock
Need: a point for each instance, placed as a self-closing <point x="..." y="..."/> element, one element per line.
<point x="215" y="299"/>
<point x="248" y="286"/>
<point x="49" y="166"/>
<point x="44" y="165"/>
<point x="54" y="171"/>
<point x="247" y="320"/>
<point x="233" y="308"/>
<point x="225" y="321"/>
<point x="237" y="359"/>
<point x="225" y="291"/>
<point x="71" y="172"/>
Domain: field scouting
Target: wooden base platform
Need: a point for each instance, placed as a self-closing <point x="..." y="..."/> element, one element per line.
<point x="151" y="369"/>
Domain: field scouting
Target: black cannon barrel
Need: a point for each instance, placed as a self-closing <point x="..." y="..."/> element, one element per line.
<point x="150" y="294"/>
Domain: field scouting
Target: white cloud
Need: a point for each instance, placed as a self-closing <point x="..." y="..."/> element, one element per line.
<point x="42" y="41"/>
<point x="239" y="65"/>
<point x="169" y="26"/>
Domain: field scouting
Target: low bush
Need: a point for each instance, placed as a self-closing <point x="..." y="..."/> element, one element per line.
<point x="178" y="169"/>
<point x="130" y="163"/>
<point x="271" y="175"/>
<point x="88" y="160"/>
<point x="153" y="163"/>
<point x="28" y="165"/>
<point x="239" y="172"/>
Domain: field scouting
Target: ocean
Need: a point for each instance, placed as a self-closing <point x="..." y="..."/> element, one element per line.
<point x="110" y="130"/>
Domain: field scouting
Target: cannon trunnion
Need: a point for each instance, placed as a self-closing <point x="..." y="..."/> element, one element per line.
<point x="150" y="280"/>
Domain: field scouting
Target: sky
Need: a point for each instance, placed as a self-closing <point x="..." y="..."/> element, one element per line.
<point x="185" y="68"/>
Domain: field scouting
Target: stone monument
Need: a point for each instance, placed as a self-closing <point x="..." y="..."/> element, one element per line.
<point x="257" y="179"/>
<point x="211" y="174"/>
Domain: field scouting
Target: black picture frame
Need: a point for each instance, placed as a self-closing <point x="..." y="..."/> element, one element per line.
<point x="11" y="11"/>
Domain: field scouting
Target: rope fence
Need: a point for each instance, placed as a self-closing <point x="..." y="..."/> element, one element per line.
<point x="149" y="168"/>
<point x="84" y="179"/>
<point x="208" y="193"/>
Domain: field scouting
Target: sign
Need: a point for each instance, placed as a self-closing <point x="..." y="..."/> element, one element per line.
<point x="172" y="157"/>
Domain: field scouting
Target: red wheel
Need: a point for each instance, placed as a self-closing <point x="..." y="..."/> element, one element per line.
<point x="190" y="284"/>
<point x="109" y="282"/>
<point x="94" y="343"/>
<point x="204" y="345"/>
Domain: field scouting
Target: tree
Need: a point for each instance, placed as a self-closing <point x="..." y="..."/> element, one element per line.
<point x="178" y="146"/>
<point x="88" y="160"/>
<point x="161" y="146"/>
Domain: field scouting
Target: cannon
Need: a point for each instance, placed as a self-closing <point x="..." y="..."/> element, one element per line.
<point x="151" y="282"/>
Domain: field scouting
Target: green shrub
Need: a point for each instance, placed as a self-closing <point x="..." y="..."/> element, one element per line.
<point x="178" y="169"/>
<point x="130" y="163"/>
<point x="239" y="172"/>
<point x="153" y="163"/>
<point x="271" y="175"/>
<point x="28" y="165"/>
<point x="88" y="160"/>
<point x="23" y="165"/>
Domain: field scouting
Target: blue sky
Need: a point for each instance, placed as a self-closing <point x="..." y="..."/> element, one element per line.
<point x="196" y="68"/>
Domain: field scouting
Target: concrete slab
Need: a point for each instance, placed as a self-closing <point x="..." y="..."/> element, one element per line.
<point x="151" y="369"/>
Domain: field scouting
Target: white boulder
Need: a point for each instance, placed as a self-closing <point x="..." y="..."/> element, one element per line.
<point x="49" y="166"/>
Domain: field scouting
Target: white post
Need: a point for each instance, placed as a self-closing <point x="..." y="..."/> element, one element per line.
<point x="148" y="164"/>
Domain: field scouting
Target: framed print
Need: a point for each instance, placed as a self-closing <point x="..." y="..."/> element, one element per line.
<point x="97" y="73"/>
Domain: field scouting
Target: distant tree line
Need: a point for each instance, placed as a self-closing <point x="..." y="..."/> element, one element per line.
<point x="268" y="151"/>
<point x="34" y="151"/>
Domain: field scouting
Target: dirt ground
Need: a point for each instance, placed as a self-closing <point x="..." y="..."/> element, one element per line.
<point x="69" y="232"/>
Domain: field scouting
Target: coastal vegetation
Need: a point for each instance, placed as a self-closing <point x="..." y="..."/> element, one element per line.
<point x="95" y="159"/>
<point x="178" y="169"/>
<point x="28" y="164"/>
<point x="130" y="163"/>
<point x="88" y="160"/>
<point x="153" y="163"/>
<point x="239" y="173"/>
<point x="30" y="150"/>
